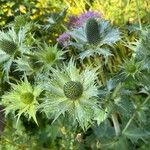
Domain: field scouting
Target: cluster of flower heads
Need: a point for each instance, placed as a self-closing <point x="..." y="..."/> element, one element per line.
<point x="67" y="91"/>
<point x="75" y="22"/>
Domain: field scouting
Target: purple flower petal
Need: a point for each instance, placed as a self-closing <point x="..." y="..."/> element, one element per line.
<point x="63" y="38"/>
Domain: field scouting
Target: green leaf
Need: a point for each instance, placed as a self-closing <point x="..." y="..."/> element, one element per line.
<point x="119" y="143"/>
<point x="134" y="134"/>
<point x="100" y="116"/>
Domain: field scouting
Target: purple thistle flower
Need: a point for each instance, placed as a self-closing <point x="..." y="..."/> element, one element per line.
<point x="85" y="16"/>
<point x="63" y="38"/>
<point x="77" y="21"/>
<point x="72" y="22"/>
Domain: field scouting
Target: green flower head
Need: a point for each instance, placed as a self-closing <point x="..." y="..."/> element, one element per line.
<point x="73" y="92"/>
<point x="131" y="68"/>
<point x="49" y="55"/>
<point x="12" y="45"/>
<point x="12" y="42"/>
<point x="23" y="99"/>
<point x="43" y="59"/>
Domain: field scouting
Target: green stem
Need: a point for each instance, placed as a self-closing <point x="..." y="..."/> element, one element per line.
<point x="116" y="90"/>
<point x="128" y="123"/>
<point x="114" y="115"/>
<point x="116" y="124"/>
<point x="138" y="13"/>
<point x="134" y="114"/>
<point x="29" y="55"/>
<point x="146" y="100"/>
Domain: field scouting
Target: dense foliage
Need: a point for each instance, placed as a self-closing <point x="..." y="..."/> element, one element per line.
<point x="74" y="81"/>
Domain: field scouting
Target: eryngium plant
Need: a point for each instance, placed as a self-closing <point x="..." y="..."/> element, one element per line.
<point x="83" y="104"/>
<point x="74" y="92"/>
<point x="94" y="37"/>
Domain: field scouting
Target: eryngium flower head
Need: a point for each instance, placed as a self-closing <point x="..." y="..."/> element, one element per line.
<point x="49" y="55"/>
<point x="92" y="31"/>
<point x="41" y="60"/>
<point x="71" y="91"/>
<point x="131" y="68"/>
<point x="22" y="99"/>
<point x="8" y="46"/>
<point x="12" y="42"/>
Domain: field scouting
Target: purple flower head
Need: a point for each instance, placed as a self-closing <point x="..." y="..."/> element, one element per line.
<point x="63" y="38"/>
<point x="85" y="16"/>
<point x="77" y="21"/>
<point x="72" y="22"/>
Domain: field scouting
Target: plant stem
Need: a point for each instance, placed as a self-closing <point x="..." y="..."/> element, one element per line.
<point x="138" y="13"/>
<point x="146" y="100"/>
<point x="130" y="120"/>
<point x="128" y="123"/>
<point x="116" y="90"/>
<point x="116" y="124"/>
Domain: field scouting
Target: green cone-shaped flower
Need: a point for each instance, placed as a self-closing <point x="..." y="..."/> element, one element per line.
<point x="92" y="31"/>
<point x="72" y="91"/>
<point x="8" y="46"/>
<point x="22" y="99"/>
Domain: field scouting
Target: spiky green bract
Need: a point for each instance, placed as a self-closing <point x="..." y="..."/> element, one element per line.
<point x="142" y="48"/>
<point x="74" y="92"/>
<point x="43" y="59"/>
<point x="22" y="99"/>
<point x="92" y="31"/>
<point x="86" y="46"/>
<point x="143" y="44"/>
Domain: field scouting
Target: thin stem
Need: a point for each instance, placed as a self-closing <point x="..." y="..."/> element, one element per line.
<point x="116" y="124"/>
<point x="138" y="13"/>
<point x="146" y="100"/>
<point x="116" y="90"/>
<point x="128" y="123"/>
<point x="29" y="55"/>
